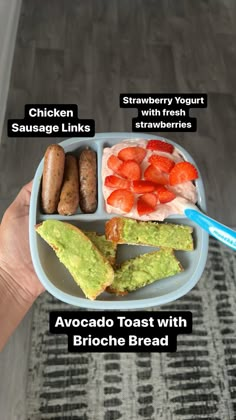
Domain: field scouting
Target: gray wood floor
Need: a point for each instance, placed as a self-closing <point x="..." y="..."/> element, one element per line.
<point x="88" y="52"/>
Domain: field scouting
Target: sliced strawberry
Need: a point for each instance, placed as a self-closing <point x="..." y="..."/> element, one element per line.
<point x="183" y="172"/>
<point x="141" y="187"/>
<point x="164" y="195"/>
<point x="143" y="208"/>
<point x="113" y="181"/>
<point x="130" y="169"/>
<point x="154" y="175"/>
<point x="114" y="163"/>
<point x="121" y="199"/>
<point x="149" y="198"/>
<point x="146" y="203"/>
<point x="162" y="163"/>
<point x="132" y="153"/>
<point x="160" y="145"/>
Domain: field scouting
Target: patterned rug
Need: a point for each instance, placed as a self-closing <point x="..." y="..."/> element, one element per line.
<point x="197" y="382"/>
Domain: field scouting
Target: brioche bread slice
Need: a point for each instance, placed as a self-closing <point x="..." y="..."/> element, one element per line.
<point x="133" y="232"/>
<point x="143" y="270"/>
<point x="107" y="248"/>
<point x="88" y="267"/>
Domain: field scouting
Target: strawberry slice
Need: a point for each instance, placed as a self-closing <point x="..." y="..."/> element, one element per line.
<point x="183" y="172"/>
<point x="141" y="187"/>
<point x="164" y="195"/>
<point x="113" y="181"/>
<point x="144" y="208"/>
<point x="114" y="163"/>
<point x="146" y="203"/>
<point x="121" y="199"/>
<point x="130" y="169"/>
<point x="160" y="145"/>
<point x="154" y="175"/>
<point x="132" y="153"/>
<point x="162" y="163"/>
<point x="149" y="198"/>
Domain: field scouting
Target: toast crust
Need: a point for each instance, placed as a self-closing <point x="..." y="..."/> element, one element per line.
<point x="113" y="229"/>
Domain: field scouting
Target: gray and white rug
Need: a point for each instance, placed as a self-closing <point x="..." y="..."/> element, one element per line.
<point x="197" y="382"/>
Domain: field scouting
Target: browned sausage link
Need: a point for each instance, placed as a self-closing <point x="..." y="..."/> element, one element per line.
<point x="88" y="180"/>
<point x="69" y="198"/>
<point x="53" y="171"/>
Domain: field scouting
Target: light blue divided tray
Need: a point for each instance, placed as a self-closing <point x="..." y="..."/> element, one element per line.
<point x="57" y="280"/>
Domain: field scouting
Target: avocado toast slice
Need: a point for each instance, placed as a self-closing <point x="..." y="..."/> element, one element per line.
<point x="143" y="270"/>
<point x="105" y="246"/>
<point x="89" y="268"/>
<point x="129" y="231"/>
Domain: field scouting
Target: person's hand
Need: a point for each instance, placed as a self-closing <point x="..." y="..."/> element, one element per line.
<point x="19" y="285"/>
<point x="15" y="260"/>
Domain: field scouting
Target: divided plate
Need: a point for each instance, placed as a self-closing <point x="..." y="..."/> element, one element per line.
<point x="57" y="280"/>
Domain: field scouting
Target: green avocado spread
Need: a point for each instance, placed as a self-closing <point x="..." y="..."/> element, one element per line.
<point x="83" y="260"/>
<point x="145" y="269"/>
<point x="167" y="235"/>
<point x="106" y="247"/>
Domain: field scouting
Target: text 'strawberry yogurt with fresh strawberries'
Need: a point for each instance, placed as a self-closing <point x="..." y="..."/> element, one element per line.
<point x="146" y="180"/>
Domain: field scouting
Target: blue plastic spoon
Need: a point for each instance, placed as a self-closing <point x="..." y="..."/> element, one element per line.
<point x="214" y="228"/>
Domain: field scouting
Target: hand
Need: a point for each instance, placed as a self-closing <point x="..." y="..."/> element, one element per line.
<point x="15" y="259"/>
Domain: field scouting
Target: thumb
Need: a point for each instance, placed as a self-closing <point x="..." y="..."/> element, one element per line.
<point x="28" y="187"/>
<point x="22" y="200"/>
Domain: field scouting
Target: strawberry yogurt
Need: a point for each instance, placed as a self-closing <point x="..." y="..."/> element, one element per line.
<point x="185" y="192"/>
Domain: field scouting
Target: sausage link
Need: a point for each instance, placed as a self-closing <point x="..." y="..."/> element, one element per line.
<point x="88" y="180"/>
<point x="69" y="198"/>
<point x="53" y="171"/>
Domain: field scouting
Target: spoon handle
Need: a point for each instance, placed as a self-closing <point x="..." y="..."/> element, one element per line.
<point x="214" y="228"/>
